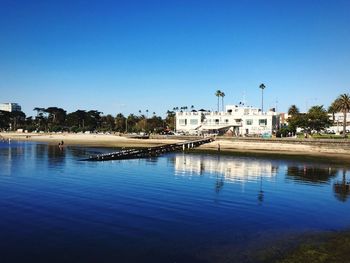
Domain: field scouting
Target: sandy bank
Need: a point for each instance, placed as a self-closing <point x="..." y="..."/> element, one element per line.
<point x="87" y="139"/>
<point x="332" y="149"/>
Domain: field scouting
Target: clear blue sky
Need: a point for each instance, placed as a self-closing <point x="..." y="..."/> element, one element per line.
<point x="125" y="56"/>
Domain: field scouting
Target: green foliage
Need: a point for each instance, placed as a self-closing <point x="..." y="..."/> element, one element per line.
<point x="316" y="119"/>
<point x="342" y="104"/>
<point x="283" y="132"/>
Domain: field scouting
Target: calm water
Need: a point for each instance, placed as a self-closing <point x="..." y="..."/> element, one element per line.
<point x="175" y="208"/>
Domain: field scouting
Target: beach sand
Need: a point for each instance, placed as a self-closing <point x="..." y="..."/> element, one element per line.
<point x="260" y="147"/>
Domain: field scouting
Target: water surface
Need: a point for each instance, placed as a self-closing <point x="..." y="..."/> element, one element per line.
<point x="176" y="208"/>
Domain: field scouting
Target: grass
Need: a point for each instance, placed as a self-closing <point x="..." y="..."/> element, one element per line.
<point x="323" y="136"/>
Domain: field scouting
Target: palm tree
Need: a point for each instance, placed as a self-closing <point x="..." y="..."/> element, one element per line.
<point x="222" y="98"/>
<point x="293" y="110"/>
<point x="262" y="87"/>
<point x="342" y="104"/>
<point x="218" y="94"/>
<point x="332" y="109"/>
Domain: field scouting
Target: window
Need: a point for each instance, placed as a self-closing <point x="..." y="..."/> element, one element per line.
<point x="226" y="120"/>
<point x="193" y="122"/>
<point x="263" y="122"/>
<point x="216" y="121"/>
<point x="249" y="122"/>
<point x="182" y="121"/>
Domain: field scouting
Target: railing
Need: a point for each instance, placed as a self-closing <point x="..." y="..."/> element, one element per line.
<point x="222" y="123"/>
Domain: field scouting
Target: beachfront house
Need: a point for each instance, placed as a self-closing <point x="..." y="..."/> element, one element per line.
<point x="236" y="120"/>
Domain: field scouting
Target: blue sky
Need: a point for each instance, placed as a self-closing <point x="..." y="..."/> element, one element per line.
<point x="126" y="56"/>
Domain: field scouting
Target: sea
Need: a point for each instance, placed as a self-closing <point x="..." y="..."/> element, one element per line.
<point x="178" y="207"/>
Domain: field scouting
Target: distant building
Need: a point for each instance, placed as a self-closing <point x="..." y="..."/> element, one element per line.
<point x="10" y="107"/>
<point x="236" y="120"/>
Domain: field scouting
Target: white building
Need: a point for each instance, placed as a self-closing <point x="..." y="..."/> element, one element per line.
<point x="237" y="120"/>
<point x="10" y="107"/>
<point x="337" y="125"/>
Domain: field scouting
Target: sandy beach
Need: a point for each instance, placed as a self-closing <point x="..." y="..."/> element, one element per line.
<point x="101" y="140"/>
<point x="333" y="150"/>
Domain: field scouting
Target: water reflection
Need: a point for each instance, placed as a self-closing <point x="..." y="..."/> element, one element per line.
<point x="311" y="174"/>
<point x="342" y="188"/>
<point x="54" y="156"/>
<point x="230" y="169"/>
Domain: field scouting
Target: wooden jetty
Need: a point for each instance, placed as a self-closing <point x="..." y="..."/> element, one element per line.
<point x="149" y="152"/>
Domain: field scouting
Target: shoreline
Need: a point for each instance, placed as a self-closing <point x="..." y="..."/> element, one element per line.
<point x="313" y="149"/>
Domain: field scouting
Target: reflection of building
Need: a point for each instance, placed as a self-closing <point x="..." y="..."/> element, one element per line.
<point x="238" y="120"/>
<point x="231" y="168"/>
<point x="10" y="107"/>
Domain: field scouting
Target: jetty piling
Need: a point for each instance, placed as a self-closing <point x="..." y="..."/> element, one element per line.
<point x="148" y="152"/>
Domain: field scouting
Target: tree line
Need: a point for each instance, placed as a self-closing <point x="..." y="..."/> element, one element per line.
<point x="317" y="118"/>
<point x="54" y="119"/>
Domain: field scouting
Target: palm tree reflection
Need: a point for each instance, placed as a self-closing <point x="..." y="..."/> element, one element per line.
<point x="261" y="192"/>
<point x="342" y="188"/>
<point x="311" y="174"/>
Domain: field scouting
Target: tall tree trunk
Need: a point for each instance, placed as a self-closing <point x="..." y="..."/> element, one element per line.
<point x="344" y="124"/>
<point x="222" y="102"/>
<point x="218" y="104"/>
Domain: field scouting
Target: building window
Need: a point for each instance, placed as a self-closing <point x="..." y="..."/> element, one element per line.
<point x="263" y="122"/>
<point x="226" y="120"/>
<point x="216" y="121"/>
<point x="193" y="122"/>
<point x="183" y="121"/>
<point x="249" y="122"/>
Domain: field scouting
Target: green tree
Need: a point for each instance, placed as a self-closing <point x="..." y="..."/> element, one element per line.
<point x="56" y="118"/>
<point x="4" y="120"/>
<point x="170" y="120"/>
<point x="342" y="104"/>
<point x="294" y="121"/>
<point x="76" y="120"/>
<point x="332" y="109"/>
<point x="317" y="119"/>
<point x="262" y="87"/>
<point x="293" y="110"/>
<point x="218" y="94"/>
<point x="120" y="123"/>
<point x="17" y="119"/>
<point x="107" y="123"/>
<point x="132" y="121"/>
<point x="41" y="121"/>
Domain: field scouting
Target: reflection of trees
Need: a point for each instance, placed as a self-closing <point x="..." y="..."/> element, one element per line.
<point x="311" y="174"/>
<point x="219" y="184"/>
<point x="55" y="155"/>
<point x="342" y="188"/>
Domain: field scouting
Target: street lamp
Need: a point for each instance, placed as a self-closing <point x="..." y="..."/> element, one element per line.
<point x="262" y="87"/>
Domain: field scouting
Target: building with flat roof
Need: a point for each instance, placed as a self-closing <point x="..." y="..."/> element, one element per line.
<point x="10" y="107"/>
<point x="239" y="120"/>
